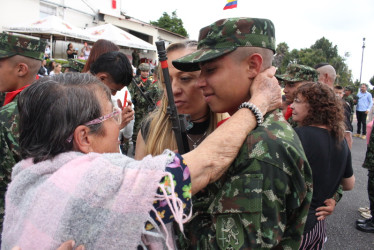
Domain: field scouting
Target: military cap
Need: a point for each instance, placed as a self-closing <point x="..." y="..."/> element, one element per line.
<point x="298" y="73"/>
<point x="144" y="67"/>
<point x="76" y="64"/>
<point x="224" y="36"/>
<point x="11" y="45"/>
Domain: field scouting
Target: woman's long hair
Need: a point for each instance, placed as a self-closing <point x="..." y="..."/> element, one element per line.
<point x="325" y="108"/>
<point x="100" y="47"/>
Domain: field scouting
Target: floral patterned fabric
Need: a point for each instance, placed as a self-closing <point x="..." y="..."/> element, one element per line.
<point x="182" y="189"/>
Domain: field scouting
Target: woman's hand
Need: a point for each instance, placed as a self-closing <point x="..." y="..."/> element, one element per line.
<point x="127" y="113"/>
<point x="266" y="93"/>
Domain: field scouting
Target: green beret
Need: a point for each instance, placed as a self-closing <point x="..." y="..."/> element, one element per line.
<point x="11" y="45"/>
<point x="224" y="36"/>
<point x="144" y="67"/>
<point x="298" y="73"/>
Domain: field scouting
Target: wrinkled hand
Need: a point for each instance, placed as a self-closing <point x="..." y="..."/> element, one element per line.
<point x="324" y="211"/>
<point x="127" y="113"/>
<point x="266" y="92"/>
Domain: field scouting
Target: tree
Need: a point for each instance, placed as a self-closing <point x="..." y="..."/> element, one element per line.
<point x="322" y="51"/>
<point x="372" y="80"/>
<point x="171" y="23"/>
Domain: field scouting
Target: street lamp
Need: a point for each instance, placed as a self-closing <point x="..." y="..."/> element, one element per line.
<point x="362" y="58"/>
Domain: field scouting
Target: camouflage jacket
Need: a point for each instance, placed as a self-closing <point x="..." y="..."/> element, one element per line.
<point x="349" y="99"/>
<point x="2" y="98"/>
<point x="150" y="90"/>
<point x="9" y="148"/>
<point x="369" y="157"/>
<point x="263" y="199"/>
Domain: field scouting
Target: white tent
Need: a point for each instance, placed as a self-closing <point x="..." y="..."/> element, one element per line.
<point x="51" y="27"/>
<point x="118" y="36"/>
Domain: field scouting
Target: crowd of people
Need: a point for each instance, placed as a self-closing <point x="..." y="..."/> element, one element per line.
<point x="259" y="173"/>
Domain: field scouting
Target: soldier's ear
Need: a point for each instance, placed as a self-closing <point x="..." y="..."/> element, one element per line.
<point x="22" y="69"/>
<point x="254" y="65"/>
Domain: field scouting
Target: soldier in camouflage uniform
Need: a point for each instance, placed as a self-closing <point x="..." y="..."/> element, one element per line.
<point x="367" y="225"/>
<point x="263" y="199"/>
<point x="295" y="75"/>
<point x="348" y="97"/>
<point x="20" y="60"/>
<point x="143" y="103"/>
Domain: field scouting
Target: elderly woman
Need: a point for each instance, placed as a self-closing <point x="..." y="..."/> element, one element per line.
<point x="73" y="183"/>
<point x="319" y="114"/>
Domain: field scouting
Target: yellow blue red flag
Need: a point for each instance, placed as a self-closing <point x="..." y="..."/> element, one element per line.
<point x="231" y="4"/>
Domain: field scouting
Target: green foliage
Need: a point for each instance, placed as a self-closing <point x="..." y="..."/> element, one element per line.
<point x="372" y="80"/>
<point x="171" y="23"/>
<point x="322" y="51"/>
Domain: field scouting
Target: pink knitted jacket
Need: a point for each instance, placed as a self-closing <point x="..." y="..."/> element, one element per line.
<point x="99" y="200"/>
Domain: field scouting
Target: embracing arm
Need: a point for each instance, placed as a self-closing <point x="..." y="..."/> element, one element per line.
<point x="214" y="155"/>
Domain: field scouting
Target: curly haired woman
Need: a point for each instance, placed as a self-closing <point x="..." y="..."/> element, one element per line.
<point x="319" y="114"/>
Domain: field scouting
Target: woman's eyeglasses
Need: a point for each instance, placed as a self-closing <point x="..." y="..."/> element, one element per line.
<point x="116" y="115"/>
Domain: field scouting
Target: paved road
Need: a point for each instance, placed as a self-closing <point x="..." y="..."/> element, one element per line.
<point x="341" y="231"/>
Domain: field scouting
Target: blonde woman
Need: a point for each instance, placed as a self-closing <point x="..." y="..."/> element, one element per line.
<point x="156" y="133"/>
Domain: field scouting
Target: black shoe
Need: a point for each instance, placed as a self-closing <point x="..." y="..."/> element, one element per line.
<point x="367" y="227"/>
<point x="362" y="221"/>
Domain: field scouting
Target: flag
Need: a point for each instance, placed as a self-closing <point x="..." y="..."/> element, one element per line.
<point x="231" y="4"/>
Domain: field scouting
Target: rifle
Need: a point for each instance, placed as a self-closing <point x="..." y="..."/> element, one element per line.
<point x="179" y="121"/>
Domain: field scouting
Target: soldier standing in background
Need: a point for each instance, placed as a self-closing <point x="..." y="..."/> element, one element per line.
<point x="144" y="96"/>
<point x="135" y="58"/>
<point x="264" y="197"/>
<point x="295" y="75"/>
<point x="348" y="97"/>
<point x="20" y="61"/>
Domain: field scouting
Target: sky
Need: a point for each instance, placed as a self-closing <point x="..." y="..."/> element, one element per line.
<point x="298" y="23"/>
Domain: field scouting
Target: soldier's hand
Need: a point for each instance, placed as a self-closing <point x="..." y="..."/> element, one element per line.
<point x="324" y="211"/>
<point x="127" y="113"/>
<point x="265" y="91"/>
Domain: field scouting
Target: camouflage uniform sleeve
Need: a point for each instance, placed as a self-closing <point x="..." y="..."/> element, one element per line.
<point x="338" y="194"/>
<point x="131" y="89"/>
<point x="2" y="98"/>
<point x="9" y="148"/>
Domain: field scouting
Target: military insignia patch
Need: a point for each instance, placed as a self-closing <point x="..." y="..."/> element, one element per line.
<point x="230" y="235"/>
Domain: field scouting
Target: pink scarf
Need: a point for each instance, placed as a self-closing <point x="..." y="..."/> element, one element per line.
<point x="99" y="200"/>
